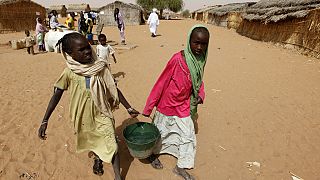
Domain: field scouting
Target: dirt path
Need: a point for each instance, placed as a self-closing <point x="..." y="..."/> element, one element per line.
<point x="262" y="104"/>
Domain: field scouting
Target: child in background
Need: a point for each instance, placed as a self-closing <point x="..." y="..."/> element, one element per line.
<point x="30" y="42"/>
<point x="93" y="98"/>
<point x="104" y="50"/>
<point x="176" y="94"/>
<point x="40" y="31"/>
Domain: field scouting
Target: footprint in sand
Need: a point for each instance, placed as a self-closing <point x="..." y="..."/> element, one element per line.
<point x="6" y="148"/>
<point x="29" y="157"/>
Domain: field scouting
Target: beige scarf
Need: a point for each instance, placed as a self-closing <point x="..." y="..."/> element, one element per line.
<point x="102" y="86"/>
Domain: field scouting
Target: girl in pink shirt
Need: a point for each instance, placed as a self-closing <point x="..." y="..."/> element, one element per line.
<point x="40" y="32"/>
<point x="176" y="95"/>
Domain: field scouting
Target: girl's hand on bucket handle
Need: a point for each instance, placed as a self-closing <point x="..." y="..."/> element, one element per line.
<point x="148" y="116"/>
<point x="145" y="115"/>
<point x="133" y="113"/>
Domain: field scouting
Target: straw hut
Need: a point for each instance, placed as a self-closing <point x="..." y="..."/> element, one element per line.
<point x="18" y="15"/>
<point x="193" y="14"/>
<point x="77" y="8"/>
<point x="94" y="9"/>
<point x="61" y="10"/>
<point x="202" y="14"/>
<point x="132" y="13"/>
<point x="228" y="15"/>
<point x="292" y="23"/>
<point x="168" y="14"/>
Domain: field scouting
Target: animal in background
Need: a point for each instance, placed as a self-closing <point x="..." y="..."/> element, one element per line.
<point x="52" y="37"/>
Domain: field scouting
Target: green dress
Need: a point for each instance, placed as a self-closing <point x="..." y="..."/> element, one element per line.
<point x="95" y="131"/>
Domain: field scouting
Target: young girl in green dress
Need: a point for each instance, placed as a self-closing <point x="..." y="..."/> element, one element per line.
<point x="93" y="97"/>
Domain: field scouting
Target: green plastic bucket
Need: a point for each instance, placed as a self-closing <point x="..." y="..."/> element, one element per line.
<point x="141" y="138"/>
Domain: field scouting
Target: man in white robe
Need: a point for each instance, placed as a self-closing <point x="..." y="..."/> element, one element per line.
<point x="153" y="22"/>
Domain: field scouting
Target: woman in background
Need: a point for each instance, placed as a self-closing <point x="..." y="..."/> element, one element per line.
<point x="118" y="18"/>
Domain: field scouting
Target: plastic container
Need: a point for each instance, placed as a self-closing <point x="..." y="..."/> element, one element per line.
<point x="141" y="139"/>
<point x="90" y="38"/>
<point x="18" y="44"/>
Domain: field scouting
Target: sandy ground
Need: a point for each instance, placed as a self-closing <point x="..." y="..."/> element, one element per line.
<point x="262" y="105"/>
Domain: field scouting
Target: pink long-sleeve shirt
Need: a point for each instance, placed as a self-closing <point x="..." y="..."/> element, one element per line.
<point x="172" y="91"/>
<point x="40" y="28"/>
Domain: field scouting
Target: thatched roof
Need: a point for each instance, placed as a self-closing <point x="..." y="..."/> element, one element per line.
<point x="3" y="2"/>
<point x="277" y="10"/>
<point x="95" y="9"/>
<point x="233" y="7"/>
<point x="78" y="6"/>
<point x="284" y="3"/>
<point x="119" y="3"/>
<point x="57" y="7"/>
<point x="201" y="10"/>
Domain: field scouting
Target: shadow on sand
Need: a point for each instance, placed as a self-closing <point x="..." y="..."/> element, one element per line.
<point x="125" y="157"/>
<point x="118" y="74"/>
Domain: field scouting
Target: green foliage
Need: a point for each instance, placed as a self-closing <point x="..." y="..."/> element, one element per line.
<point x="186" y="13"/>
<point x="173" y="5"/>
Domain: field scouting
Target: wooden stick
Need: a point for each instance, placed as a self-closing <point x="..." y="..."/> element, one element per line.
<point x="295" y="175"/>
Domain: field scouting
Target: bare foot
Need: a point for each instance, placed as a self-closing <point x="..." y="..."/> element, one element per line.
<point x="183" y="173"/>
<point x="155" y="162"/>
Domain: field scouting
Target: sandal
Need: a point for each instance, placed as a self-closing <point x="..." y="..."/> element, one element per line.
<point x="185" y="175"/>
<point x="155" y="162"/>
<point x="98" y="167"/>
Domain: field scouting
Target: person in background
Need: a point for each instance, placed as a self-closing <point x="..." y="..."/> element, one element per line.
<point x="54" y="23"/>
<point x="82" y="25"/>
<point x="40" y="32"/>
<point x="98" y="19"/>
<point x="176" y="95"/>
<point x="104" y="50"/>
<point x="89" y="23"/>
<point x="153" y="22"/>
<point x="47" y="22"/>
<point x="94" y="18"/>
<point x="90" y="27"/>
<point x="119" y="20"/>
<point x="30" y="42"/>
<point x="70" y="21"/>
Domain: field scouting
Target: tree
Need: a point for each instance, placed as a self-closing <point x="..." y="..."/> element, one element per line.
<point x="173" y="5"/>
<point x="186" y="13"/>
